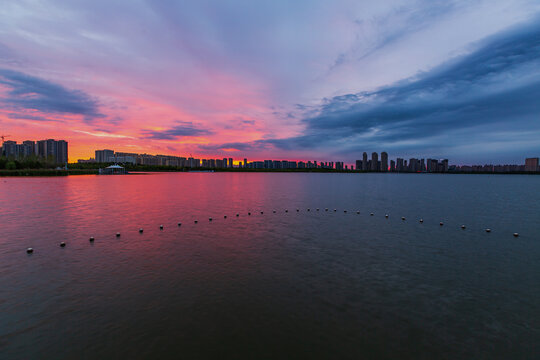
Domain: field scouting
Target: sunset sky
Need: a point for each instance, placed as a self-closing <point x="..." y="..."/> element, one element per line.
<point x="314" y="80"/>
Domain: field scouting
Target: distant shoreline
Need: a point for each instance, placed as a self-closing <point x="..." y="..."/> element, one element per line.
<point x="54" y="172"/>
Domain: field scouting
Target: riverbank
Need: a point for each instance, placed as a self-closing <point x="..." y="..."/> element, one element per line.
<point x="47" y="172"/>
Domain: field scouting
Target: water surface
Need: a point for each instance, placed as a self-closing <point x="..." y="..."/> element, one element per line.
<point x="306" y="284"/>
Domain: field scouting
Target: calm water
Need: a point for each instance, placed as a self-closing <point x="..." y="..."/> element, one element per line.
<point x="301" y="284"/>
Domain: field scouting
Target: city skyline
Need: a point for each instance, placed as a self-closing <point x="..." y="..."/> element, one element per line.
<point x="456" y="80"/>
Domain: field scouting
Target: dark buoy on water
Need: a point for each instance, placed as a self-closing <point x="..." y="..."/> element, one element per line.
<point x="196" y="221"/>
<point x="62" y="244"/>
<point x="224" y="216"/>
<point x="441" y="223"/>
<point x="308" y="209"/>
<point x="386" y="216"/>
<point x="317" y="209"/>
<point x="297" y="210"/>
<point x="141" y="230"/>
<point x="209" y="219"/>
<point x="117" y="234"/>
<point x="371" y="214"/>
<point x="29" y="250"/>
<point x="488" y="230"/>
<point x="262" y="212"/>
<point x="516" y="234"/>
<point x="421" y="220"/>
<point x="237" y="215"/>
<point x="344" y="211"/>
<point x="249" y="213"/>
<point x="463" y="227"/>
<point x="335" y="210"/>
<point x="326" y="209"/>
<point x="403" y="218"/>
<point x="179" y="224"/>
<point x="286" y="210"/>
<point x="358" y="212"/>
<point x="161" y="227"/>
<point x="91" y="239"/>
<point x="274" y="211"/>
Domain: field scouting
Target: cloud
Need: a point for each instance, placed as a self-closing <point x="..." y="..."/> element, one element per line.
<point x="495" y="87"/>
<point x="26" y="92"/>
<point x="183" y="129"/>
<point x="104" y="134"/>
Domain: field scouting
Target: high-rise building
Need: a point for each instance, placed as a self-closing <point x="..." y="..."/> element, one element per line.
<point x="103" y="156"/>
<point x="400" y="166"/>
<point x="364" y="162"/>
<point x="230" y="162"/>
<point x="358" y="164"/>
<point x="392" y="165"/>
<point x="531" y="164"/>
<point x="245" y="163"/>
<point x="384" y="161"/>
<point x="374" y="161"/>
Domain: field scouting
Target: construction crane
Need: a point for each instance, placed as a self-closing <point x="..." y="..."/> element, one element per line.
<point x="4" y="136"/>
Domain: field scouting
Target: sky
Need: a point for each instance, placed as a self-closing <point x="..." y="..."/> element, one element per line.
<point x="314" y="80"/>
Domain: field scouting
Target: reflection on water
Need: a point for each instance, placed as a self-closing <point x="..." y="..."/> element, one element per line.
<point x="306" y="284"/>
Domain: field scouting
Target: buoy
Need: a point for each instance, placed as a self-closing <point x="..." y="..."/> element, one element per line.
<point x="308" y="209"/>
<point x="262" y="212"/>
<point x="317" y="209"/>
<point x="91" y="239"/>
<point x="118" y="234"/>
<point x="403" y="218"/>
<point x="224" y="216"/>
<point x="358" y="212"/>
<point x="421" y="220"/>
<point x="516" y="234"/>
<point x="196" y="221"/>
<point x="286" y="210"/>
<point x="441" y="223"/>
<point x="237" y="215"/>
<point x="141" y="230"/>
<point x="488" y="230"/>
<point x="209" y="219"/>
<point x="297" y="210"/>
<point x="161" y="227"/>
<point x="62" y="244"/>
<point x="344" y="211"/>
<point x="371" y="214"/>
<point x="463" y="227"/>
<point x="29" y="250"/>
<point x="274" y="211"/>
<point x="326" y="209"/>
<point x="386" y="216"/>
<point x="179" y="224"/>
<point x="249" y="213"/>
<point x="335" y="210"/>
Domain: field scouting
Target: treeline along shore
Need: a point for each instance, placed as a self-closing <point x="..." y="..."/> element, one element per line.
<point x="41" y="167"/>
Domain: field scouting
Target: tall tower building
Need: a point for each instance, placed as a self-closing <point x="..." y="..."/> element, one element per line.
<point x="374" y="161"/>
<point x="364" y="161"/>
<point x="384" y="161"/>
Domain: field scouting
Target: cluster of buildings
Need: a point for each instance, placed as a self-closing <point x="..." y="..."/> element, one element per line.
<point x="399" y="165"/>
<point x="55" y="151"/>
<point x="531" y="165"/>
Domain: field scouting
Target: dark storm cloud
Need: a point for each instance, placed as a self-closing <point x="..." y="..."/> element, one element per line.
<point x="32" y="93"/>
<point x="183" y="129"/>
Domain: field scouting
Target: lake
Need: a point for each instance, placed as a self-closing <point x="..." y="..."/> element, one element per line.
<point x="286" y="284"/>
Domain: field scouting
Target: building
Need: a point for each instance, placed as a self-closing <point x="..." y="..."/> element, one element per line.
<point x="104" y="156"/>
<point x="531" y="164"/>
<point x="374" y="161"/>
<point x="359" y="165"/>
<point x="52" y="150"/>
<point x="230" y="162"/>
<point x="384" y="161"/>
<point x="365" y="162"/>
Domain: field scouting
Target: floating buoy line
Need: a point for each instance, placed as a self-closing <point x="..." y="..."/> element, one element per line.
<point x="62" y="244"/>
